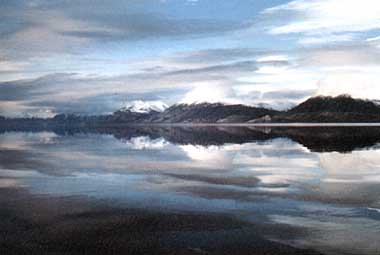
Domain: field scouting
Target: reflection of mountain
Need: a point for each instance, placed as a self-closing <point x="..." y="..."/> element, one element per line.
<point x="341" y="139"/>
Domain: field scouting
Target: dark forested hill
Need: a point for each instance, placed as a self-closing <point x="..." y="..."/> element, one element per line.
<point x="209" y="113"/>
<point x="332" y="109"/>
<point x="341" y="104"/>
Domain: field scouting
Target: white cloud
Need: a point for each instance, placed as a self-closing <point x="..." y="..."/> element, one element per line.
<point x="328" y="16"/>
<point x="358" y="55"/>
<point x="363" y="84"/>
<point x="373" y="39"/>
<point x="273" y="58"/>
<point x="324" y="21"/>
<point x="327" y="39"/>
<point x="272" y="78"/>
<point x="13" y="66"/>
<point x="337" y="58"/>
<point x="211" y="93"/>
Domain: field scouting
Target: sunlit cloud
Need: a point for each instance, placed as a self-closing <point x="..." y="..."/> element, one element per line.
<point x="324" y="17"/>
<point x="358" y="84"/>
<point x="211" y="94"/>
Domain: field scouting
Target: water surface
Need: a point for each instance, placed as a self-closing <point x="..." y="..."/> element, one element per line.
<point x="191" y="190"/>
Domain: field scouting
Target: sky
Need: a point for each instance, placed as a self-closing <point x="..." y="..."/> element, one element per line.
<point x="96" y="56"/>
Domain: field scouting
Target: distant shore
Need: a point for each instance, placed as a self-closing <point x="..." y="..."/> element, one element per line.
<point x="260" y="124"/>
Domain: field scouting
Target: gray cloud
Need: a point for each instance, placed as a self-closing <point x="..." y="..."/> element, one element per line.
<point x="143" y="26"/>
<point x="222" y="54"/>
<point x="70" y="92"/>
<point x="241" y="66"/>
<point x="358" y="53"/>
<point x="288" y="94"/>
<point x="46" y="27"/>
<point x="30" y="89"/>
<point x="104" y="103"/>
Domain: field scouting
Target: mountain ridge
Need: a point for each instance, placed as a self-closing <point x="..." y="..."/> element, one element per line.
<point x="320" y="109"/>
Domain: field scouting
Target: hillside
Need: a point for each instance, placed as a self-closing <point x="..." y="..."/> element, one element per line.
<point x="209" y="113"/>
<point x="331" y="109"/>
<point x="339" y="104"/>
<point x="314" y="110"/>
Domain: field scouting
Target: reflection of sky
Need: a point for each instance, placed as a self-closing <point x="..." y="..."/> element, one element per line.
<point x="279" y="181"/>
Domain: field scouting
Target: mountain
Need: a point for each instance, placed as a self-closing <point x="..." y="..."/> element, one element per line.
<point x="314" y="110"/>
<point x="209" y="113"/>
<point x="140" y="106"/>
<point x="331" y="109"/>
<point x="341" y="104"/>
<point x="126" y="116"/>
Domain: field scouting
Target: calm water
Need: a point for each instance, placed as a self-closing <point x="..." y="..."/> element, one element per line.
<point x="296" y="189"/>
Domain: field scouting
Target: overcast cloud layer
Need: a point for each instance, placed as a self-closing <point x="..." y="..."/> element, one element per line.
<point x="92" y="56"/>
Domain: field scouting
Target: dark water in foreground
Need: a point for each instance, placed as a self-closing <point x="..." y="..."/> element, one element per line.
<point x="191" y="191"/>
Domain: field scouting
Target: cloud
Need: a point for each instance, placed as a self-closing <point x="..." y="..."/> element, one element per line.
<point x="355" y="54"/>
<point x="363" y="84"/>
<point x="211" y="94"/>
<point x="221" y="55"/>
<point x="73" y="93"/>
<point x="344" y="69"/>
<point x="320" y="15"/>
<point x="373" y="39"/>
<point x="221" y="69"/>
<point x="317" y="19"/>
<point x="277" y="79"/>
<point x="327" y="39"/>
<point x="288" y="94"/>
<point x="339" y="53"/>
<point x="48" y="27"/>
<point x="168" y="79"/>
<point x="331" y="63"/>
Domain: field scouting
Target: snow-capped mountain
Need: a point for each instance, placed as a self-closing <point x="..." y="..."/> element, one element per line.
<point x="140" y="106"/>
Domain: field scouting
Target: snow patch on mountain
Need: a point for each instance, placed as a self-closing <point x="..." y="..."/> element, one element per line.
<point x="140" y="106"/>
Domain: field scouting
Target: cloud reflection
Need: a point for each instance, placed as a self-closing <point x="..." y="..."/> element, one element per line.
<point x="276" y="181"/>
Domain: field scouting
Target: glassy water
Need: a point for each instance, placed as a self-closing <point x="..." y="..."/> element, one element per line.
<point x="309" y="189"/>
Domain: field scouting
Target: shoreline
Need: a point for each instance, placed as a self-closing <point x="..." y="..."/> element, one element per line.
<point x="256" y="124"/>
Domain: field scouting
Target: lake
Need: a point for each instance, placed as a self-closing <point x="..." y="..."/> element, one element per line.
<point x="190" y="190"/>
